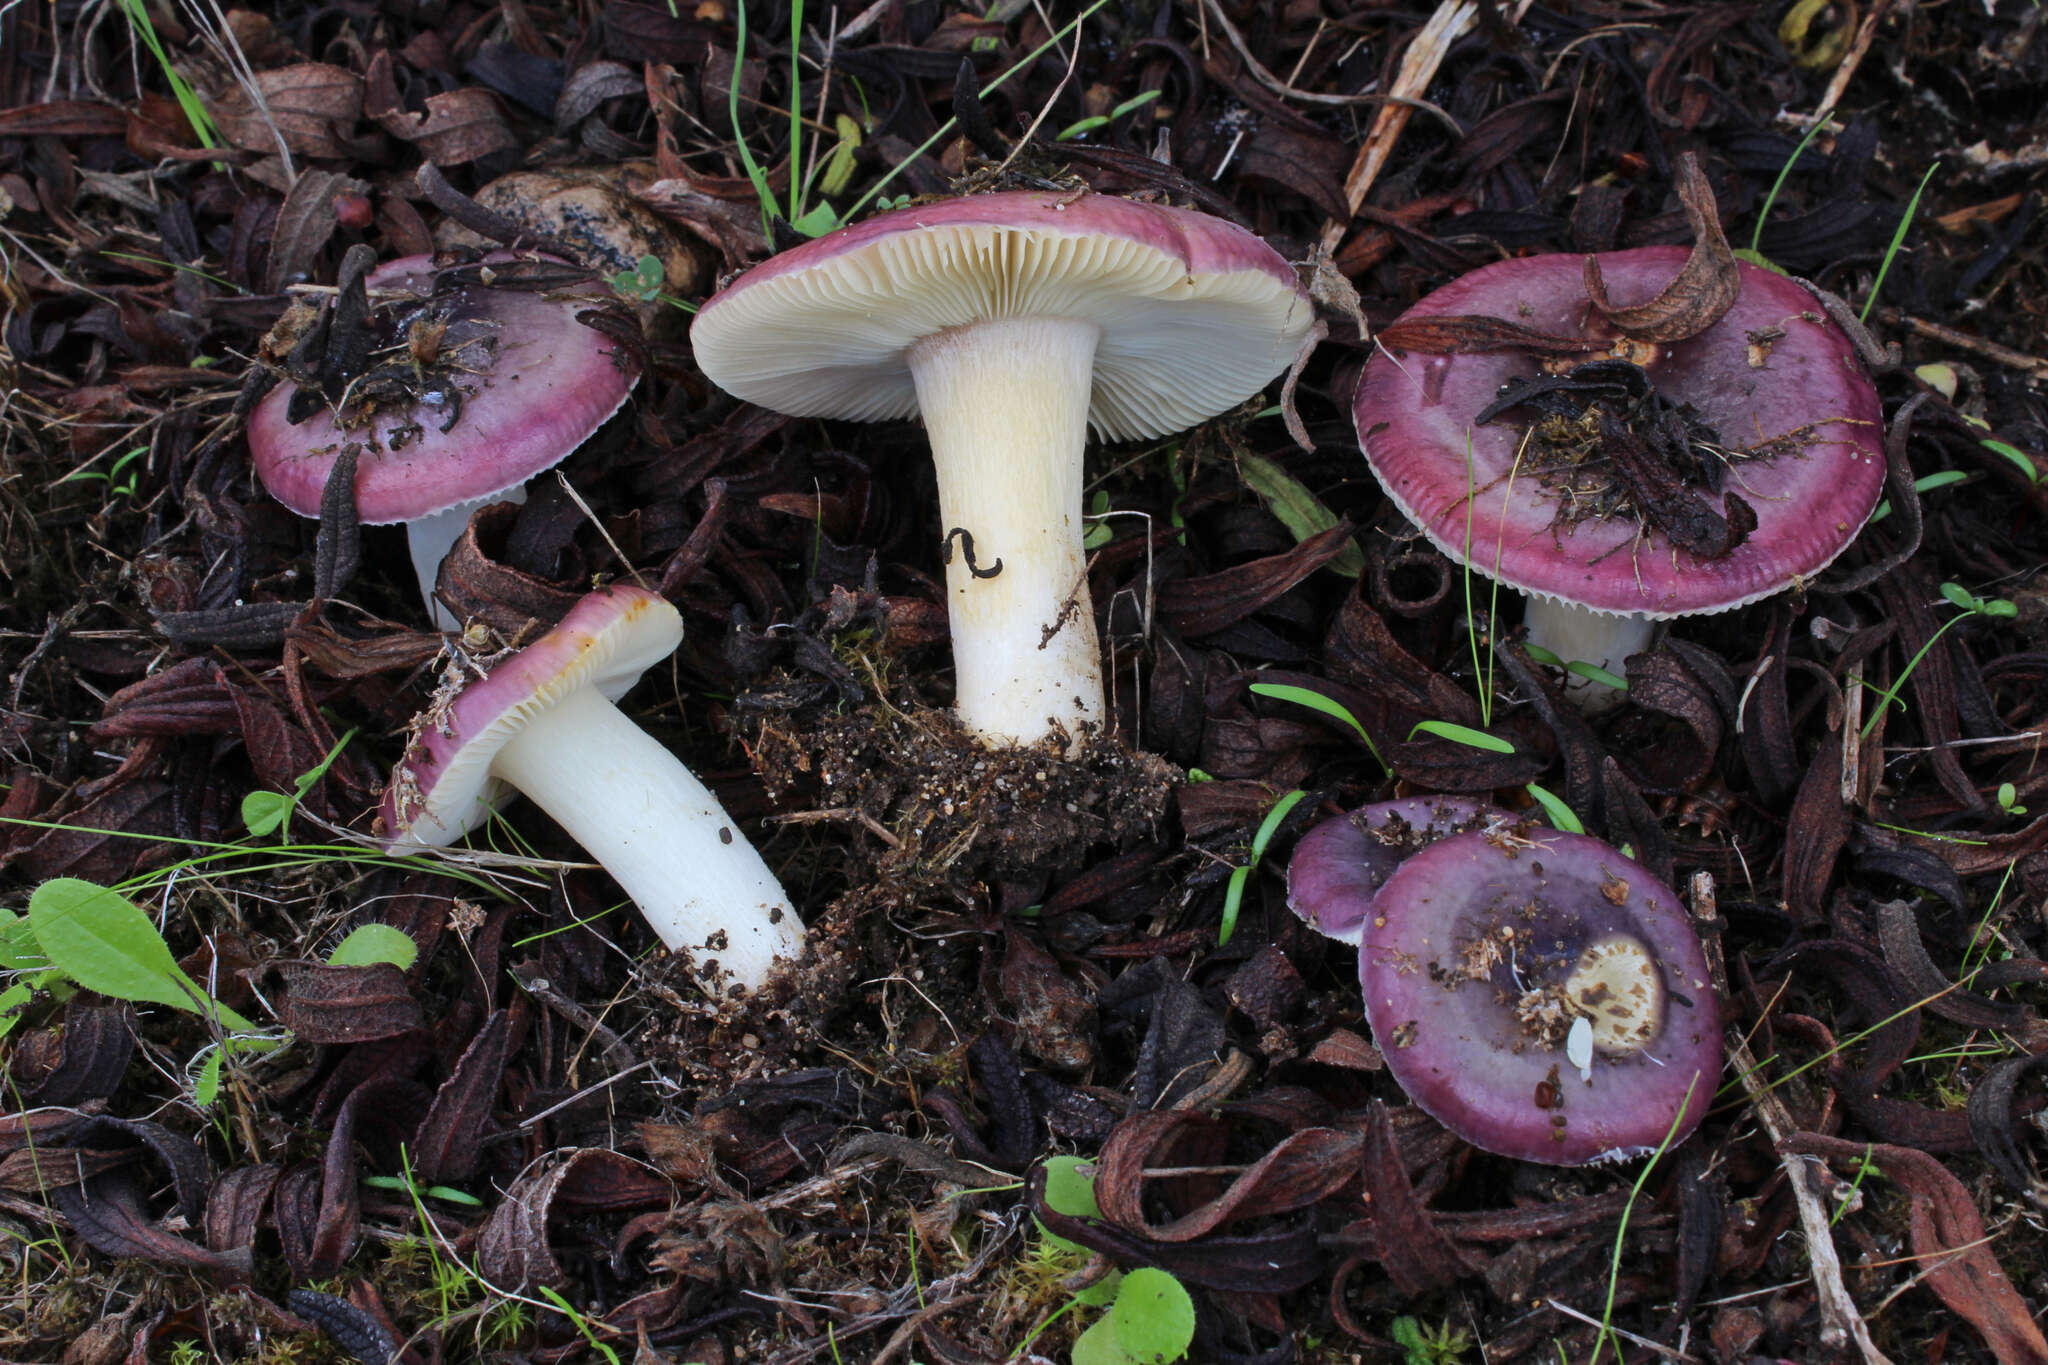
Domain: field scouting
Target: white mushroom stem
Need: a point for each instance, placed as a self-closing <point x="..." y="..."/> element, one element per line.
<point x="1601" y="638"/>
<point x="1005" y="405"/>
<point x="660" y="833"/>
<point x="430" y="539"/>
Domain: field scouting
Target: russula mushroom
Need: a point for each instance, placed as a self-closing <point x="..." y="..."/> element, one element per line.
<point x="1542" y="996"/>
<point x="543" y="723"/>
<point x="459" y="393"/>
<point x="1012" y="323"/>
<point x="1340" y="865"/>
<point x="1631" y="455"/>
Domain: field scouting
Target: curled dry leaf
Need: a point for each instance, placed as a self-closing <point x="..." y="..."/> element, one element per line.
<point x="1705" y="288"/>
<point x="513" y="1248"/>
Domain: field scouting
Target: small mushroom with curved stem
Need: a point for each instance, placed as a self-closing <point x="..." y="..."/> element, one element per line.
<point x="1709" y="442"/>
<point x="543" y="723"/>
<point x="461" y="391"/>
<point x="1341" y="864"/>
<point x="1012" y="323"/>
<point x="1542" y="996"/>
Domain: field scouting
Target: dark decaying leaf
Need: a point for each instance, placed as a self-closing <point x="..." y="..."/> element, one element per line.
<point x="1957" y="1260"/>
<point x="1055" y="1018"/>
<point x="1275" y="1262"/>
<point x="1011" y="1108"/>
<point x="108" y="1213"/>
<point x="235" y="1206"/>
<point x="349" y="1004"/>
<point x="1405" y="1239"/>
<point x="338" y="546"/>
<point x="1992" y="1126"/>
<point x="1898" y="933"/>
<point x="1300" y="1170"/>
<point x="451" y="1132"/>
<point x="1182" y="1032"/>
<point x="1707" y="285"/>
<point x="1474" y="333"/>
<point x="354" y="1330"/>
<point x="1203" y="606"/>
<point x="513" y="1248"/>
<point x="1816" y="832"/>
<point x="82" y="1061"/>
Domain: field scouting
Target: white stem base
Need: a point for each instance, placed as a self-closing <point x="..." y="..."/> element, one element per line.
<point x="660" y="833"/>
<point x="431" y="538"/>
<point x="1005" y="405"/>
<point x="1598" y="638"/>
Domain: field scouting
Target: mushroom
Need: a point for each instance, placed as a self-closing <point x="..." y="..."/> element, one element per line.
<point x="543" y="723"/>
<point x="1013" y="322"/>
<point x="1542" y="996"/>
<point x="1340" y="865"/>
<point x="463" y="392"/>
<point x="1669" y="478"/>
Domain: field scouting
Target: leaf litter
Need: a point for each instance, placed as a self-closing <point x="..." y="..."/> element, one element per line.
<point x="538" y="1141"/>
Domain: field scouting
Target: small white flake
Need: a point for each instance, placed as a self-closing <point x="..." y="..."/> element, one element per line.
<point x="1578" y="1047"/>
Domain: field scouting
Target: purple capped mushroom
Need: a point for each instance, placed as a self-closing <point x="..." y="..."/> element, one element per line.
<point x="1340" y="865"/>
<point x="1542" y="996"/>
<point x="1593" y="433"/>
<point x="1012" y="323"/>
<point x="543" y="723"/>
<point x="464" y="391"/>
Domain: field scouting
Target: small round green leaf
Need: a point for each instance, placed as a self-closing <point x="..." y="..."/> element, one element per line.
<point x="1153" y="1316"/>
<point x="373" y="943"/>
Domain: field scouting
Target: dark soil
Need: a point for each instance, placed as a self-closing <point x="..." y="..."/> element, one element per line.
<point x="542" y="1141"/>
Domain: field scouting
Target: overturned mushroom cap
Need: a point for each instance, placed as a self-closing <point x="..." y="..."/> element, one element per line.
<point x="1196" y="314"/>
<point x="1340" y="865"/>
<point x="444" y="788"/>
<point x="1542" y="997"/>
<point x="1780" y="384"/>
<point x="526" y="384"/>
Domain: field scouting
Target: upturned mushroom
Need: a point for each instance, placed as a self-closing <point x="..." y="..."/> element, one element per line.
<point x="1627" y="437"/>
<point x="1542" y="996"/>
<point x="453" y="391"/>
<point x="543" y="723"/>
<point x="1012" y="323"/>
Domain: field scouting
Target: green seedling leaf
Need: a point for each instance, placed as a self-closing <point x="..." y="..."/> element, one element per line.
<point x="1080" y="126"/>
<point x="104" y="942"/>
<point x="1898" y="238"/>
<point x="839" y="166"/>
<point x="817" y="221"/>
<point x="1316" y="701"/>
<point x="374" y="943"/>
<point x="1233" y="895"/>
<point x="264" y="811"/>
<point x="2016" y="455"/>
<point x="1542" y="656"/>
<point x="1153" y="1316"/>
<point x="1069" y="1189"/>
<point x="1561" y="816"/>
<point x="1463" y="734"/>
<point x="1597" y="674"/>
<point x="1103" y="1292"/>
<point x="13" y="1001"/>
<point x="1757" y="258"/>
<point x="206" y="1087"/>
<point x="19" y="951"/>
<point x="1298" y="509"/>
<point x="1961" y="596"/>
<point x="1098" y="1345"/>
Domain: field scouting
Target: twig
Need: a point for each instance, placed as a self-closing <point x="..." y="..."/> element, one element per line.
<point x="1668" y="1352"/>
<point x="2016" y="360"/>
<point x="1840" y="1322"/>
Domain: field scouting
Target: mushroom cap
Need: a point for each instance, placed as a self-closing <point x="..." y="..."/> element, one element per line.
<point x="550" y="383"/>
<point x="443" y="787"/>
<point x="1340" y="865"/>
<point x="1463" y="936"/>
<point x="1414" y="417"/>
<point x="1196" y="313"/>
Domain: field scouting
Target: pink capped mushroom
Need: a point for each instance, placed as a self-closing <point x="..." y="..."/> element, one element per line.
<point x="1340" y="865"/>
<point x="543" y="723"/>
<point x="1593" y="433"/>
<point x="1012" y="323"/>
<point x="1542" y="996"/>
<point x="463" y="392"/>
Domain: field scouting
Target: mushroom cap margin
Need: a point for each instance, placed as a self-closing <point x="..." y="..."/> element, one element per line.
<point x="1483" y="1088"/>
<point x="442" y="788"/>
<point x="1197" y="314"/>
<point x="1809" y="507"/>
<point x="571" y="377"/>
